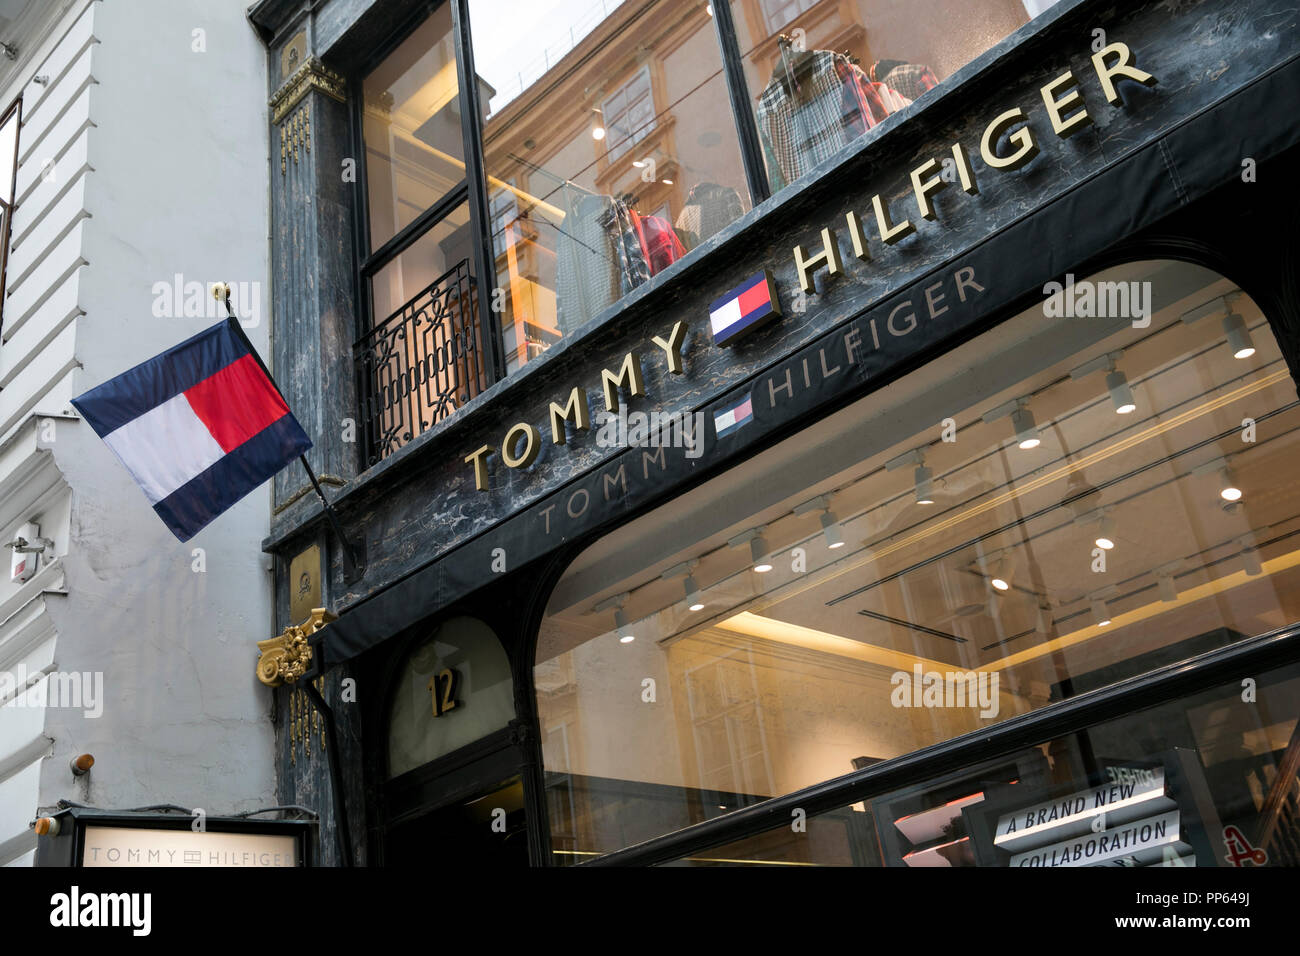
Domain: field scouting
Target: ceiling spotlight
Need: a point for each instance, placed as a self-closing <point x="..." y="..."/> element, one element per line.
<point x="923" y="478"/>
<point x="685" y="571"/>
<point x="621" y="628"/>
<point x="759" y="551"/>
<point x="831" y="531"/>
<point x="597" y="124"/>
<point x="1165" y="583"/>
<point x="1100" y="612"/>
<point x="1250" y="558"/>
<point x="1120" y="393"/>
<point x="693" y="598"/>
<point x="1022" y="420"/>
<point x="1239" y="341"/>
<point x="1234" y="326"/>
<point x="1001" y="576"/>
<point x="1228" y="489"/>
<point x="1105" y="532"/>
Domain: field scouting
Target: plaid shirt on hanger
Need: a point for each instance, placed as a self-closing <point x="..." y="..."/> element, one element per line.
<point x="801" y="127"/>
<point x="910" y="79"/>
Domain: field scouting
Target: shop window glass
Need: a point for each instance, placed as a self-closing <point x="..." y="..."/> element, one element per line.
<point x="1207" y="782"/>
<point x="596" y="117"/>
<point x="455" y="689"/>
<point x="422" y="359"/>
<point x="823" y="73"/>
<point x="415" y="152"/>
<point x="1059" y="504"/>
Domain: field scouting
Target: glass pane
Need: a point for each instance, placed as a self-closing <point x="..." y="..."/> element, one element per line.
<point x="415" y="153"/>
<point x="610" y="149"/>
<point x="423" y="357"/>
<point x="1065" y="501"/>
<point x="823" y="73"/>
<point x="438" y="251"/>
<point x="8" y="154"/>
<point x="455" y="689"/>
<point x="1209" y="781"/>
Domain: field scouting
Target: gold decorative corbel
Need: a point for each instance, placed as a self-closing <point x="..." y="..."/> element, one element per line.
<point x="286" y="658"/>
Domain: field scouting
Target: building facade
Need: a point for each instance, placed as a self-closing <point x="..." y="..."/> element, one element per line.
<point x="824" y="432"/>
<point x="125" y="195"/>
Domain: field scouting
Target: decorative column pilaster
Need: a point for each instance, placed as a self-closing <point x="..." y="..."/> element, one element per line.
<point x="312" y="259"/>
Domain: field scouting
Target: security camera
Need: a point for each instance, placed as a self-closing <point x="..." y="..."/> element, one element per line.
<point x="21" y="545"/>
<point x="27" y="546"/>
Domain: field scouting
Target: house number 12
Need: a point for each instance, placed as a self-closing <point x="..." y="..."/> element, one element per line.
<point x="442" y="687"/>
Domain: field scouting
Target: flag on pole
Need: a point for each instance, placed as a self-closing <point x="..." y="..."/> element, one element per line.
<point x="198" y="427"/>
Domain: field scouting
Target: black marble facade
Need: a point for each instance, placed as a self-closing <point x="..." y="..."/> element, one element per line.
<point x="429" y="534"/>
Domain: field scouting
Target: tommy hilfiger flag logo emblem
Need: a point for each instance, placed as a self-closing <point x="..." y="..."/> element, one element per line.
<point x="745" y="307"/>
<point x="198" y="427"/>
<point x="732" y="417"/>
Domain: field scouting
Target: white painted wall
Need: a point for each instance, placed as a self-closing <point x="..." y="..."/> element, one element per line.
<point x="142" y="157"/>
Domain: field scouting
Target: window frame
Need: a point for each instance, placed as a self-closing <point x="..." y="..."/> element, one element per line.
<point x="14" y="112"/>
<point x="639" y="134"/>
<point x="473" y="189"/>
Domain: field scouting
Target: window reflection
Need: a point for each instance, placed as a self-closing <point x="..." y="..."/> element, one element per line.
<point x="610" y="151"/>
<point x="823" y="72"/>
<point x="1208" y="781"/>
<point x="1084" y="510"/>
<point x="411" y="125"/>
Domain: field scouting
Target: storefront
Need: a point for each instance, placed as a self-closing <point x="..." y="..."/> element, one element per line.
<point x="873" y="448"/>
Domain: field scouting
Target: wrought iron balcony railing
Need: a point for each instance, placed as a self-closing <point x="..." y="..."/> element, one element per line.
<point x="420" y="364"/>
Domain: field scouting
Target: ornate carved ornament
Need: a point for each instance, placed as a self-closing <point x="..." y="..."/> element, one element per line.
<point x="286" y="658"/>
<point x="312" y="75"/>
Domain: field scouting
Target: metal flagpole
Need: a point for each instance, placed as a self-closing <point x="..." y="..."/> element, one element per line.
<point x="353" y="568"/>
<point x="354" y="559"/>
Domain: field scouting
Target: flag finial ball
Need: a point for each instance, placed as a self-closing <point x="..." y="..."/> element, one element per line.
<point x="220" y="291"/>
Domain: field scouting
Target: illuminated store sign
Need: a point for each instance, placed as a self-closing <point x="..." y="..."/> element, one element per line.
<point x="131" y="846"/>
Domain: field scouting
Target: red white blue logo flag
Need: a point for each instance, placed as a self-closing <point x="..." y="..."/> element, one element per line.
<point x="198" y="427"/>
<point x="744" y="308"/>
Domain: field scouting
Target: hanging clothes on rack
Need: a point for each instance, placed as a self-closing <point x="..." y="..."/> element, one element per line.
<point x="658" y="241"/>
<point x="598" y="257"/>
<point x="864" y="105"/>
<point x="708" y="208"/>
<point x="815" y="103"/>
<point x="909" y="79"/>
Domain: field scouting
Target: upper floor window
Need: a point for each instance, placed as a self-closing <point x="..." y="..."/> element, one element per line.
<point x="605" y="147"/>
<point x="614" y="129"/>
<point x="629" y="115"/>
<point x="777" y="13"/>
<point x="421" y="352"/>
